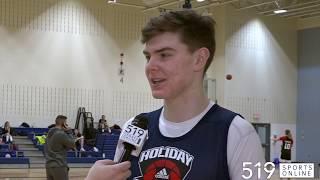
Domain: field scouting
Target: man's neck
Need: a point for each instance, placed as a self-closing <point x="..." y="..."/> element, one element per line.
<point x="183" y="109"/>
<point x="58" y="126"/>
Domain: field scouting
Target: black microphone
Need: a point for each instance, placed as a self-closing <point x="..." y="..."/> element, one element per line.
<point x="133" y="136"/>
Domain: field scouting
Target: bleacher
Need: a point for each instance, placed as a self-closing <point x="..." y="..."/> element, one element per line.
<point x="105" y="143"/>
<point x="12" y="154"/>
<point x="22" y="131"/>
<point x="17" y="162"/>
<point x="16" y="158"/>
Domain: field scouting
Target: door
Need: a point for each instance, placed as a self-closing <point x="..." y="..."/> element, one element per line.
<point x="263" y="130"/>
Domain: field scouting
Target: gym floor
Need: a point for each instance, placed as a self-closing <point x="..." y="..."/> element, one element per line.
<point x="39" y="174"/>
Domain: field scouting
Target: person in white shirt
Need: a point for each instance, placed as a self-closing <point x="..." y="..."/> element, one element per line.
<point x="190" y="137"/>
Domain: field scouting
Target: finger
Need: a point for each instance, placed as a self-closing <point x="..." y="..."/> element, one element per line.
<point x="121" y="167"/>
<point x="123" y="175"/>
<point x="127" y="174"/>
<point x="105" y="162"/>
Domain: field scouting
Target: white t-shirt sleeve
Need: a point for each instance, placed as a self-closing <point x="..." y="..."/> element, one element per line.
<point x="244" y="146"/>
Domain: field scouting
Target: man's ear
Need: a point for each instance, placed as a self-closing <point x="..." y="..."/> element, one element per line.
<point x="201" y="57"/>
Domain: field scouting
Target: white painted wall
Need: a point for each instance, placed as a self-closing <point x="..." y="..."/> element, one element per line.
<point x="70" y="48"/>
<point x="217" y="69"/>
<point x="57" y="55"/>
<point x="261" y="54"/>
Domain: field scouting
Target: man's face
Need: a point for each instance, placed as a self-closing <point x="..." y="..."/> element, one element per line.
<point x="170" y="66"/>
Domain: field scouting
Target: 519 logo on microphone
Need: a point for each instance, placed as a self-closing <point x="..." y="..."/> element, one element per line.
<point x="133" y="135"/>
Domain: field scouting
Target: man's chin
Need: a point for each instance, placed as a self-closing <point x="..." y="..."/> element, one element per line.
<point x="157" y="96"/>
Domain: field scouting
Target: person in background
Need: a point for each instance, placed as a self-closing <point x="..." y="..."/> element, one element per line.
<point x="115" y="129"/>
<point x="80" y="143"/>
<point x="116" y="126"/>
<point x="58" y="142"/>
<point x="7" y="130"/>
<point x="286" y="146"/>
<point x="103" y="125"/>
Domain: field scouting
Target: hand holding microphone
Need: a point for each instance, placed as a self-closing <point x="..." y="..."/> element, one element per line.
<point x="131" y="139"/>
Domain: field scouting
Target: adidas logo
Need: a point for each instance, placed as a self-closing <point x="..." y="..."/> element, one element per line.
<point x="162" y="174"/>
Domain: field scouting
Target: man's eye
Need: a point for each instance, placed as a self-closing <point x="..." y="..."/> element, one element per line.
<point x="165" y="55"/>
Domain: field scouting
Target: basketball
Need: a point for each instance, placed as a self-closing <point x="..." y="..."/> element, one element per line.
<point x="228" y="76"/>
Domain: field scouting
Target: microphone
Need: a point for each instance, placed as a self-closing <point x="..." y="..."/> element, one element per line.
<point x="133" y="136"/>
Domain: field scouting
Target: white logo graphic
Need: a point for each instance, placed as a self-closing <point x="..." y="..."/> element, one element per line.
<point x="162" y="174"/>
<point x="297" y="170"/>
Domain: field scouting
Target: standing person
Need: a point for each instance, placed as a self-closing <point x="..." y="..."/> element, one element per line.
<point x="59" y="141"/>
<point x="286" y="146"/>
<point x="190" y="137"/>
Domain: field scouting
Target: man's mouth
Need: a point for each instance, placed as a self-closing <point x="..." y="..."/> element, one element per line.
<point x="156" y="81"/>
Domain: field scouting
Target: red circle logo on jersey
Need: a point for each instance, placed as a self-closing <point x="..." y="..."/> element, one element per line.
<point x="162" y="169"/>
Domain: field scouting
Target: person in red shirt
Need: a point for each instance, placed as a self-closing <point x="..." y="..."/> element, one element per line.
<point x="286" y="146"/>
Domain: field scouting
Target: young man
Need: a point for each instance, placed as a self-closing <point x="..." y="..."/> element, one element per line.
<point x="286" y="146"/>
<point x="59" y="141"/>
<point x="190" y="137"/>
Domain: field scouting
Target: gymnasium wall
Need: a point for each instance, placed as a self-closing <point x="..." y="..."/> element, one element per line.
<point x="261" y="54"/>
<point x="217" y="69"/>
<point x="308" y="95"/>
<point x="58" y="55"/>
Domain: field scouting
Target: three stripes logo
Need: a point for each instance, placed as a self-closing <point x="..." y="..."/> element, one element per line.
<point x="162" y="174"/>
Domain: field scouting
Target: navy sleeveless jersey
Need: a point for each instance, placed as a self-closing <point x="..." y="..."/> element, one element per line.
<point x="199" y="154"/>
<point x="286" y="148"/>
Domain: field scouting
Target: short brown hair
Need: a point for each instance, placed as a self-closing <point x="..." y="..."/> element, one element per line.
<point x="60" y="119"/>
<point x="195" y="31"/>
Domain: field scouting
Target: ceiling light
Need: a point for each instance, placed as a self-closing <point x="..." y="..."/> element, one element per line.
<point x="200" y="0"/>
<point x="112" y="1"/>
<point x="279" y="11"/>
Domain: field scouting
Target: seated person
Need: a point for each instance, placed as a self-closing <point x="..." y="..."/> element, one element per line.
<point x="7" y="130"/>
<point x="116" y="129"/>
<point x="103" y="124"/>
<point x="116" y="126"/>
